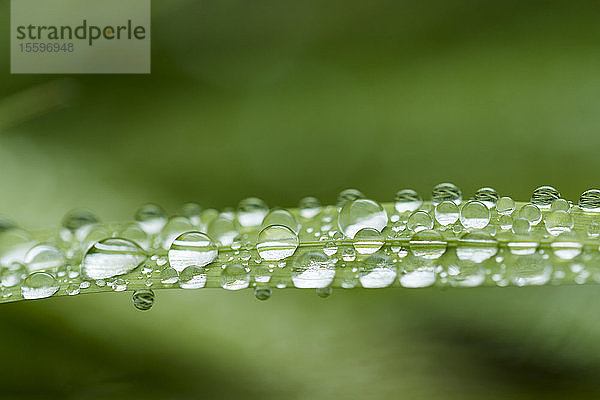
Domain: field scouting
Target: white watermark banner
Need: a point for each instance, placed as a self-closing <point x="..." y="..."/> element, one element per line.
<point x="80" y="36"/>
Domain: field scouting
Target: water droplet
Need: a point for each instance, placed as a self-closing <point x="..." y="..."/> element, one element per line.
<point x="465" y="273"/>
<point x="39" y="285"/>
<point x="310" y="207"/>
<point x="566" y="246"/>
<point x="282" y="217"/>
<point x="136" y="234"/>
<point x="143" y="299"/>
<point x="348" y="254"/>
<point x="14" y="244"/>
<point x="377" y="271"/>
<point x="529" y="269"/>
<point x="505" y="222"/>
<point x="234" y="277"/>
<point x="251" y="212"/>
<point x="593" y="229"/>
<point x="544" y="196"/>
<point x="487" y="196"/>
<point x="73" y="289"/>
<point x="474" y="215"/>
<point x="222" y="229"/>
<point x="446" y="213"/>
<point x="119" y="285"/>
<point x="407" y="200"/>
<point x="44" y="256"/>
<point x="531" y="213"/>
<point x="324" y="292"/>
<point x="428" y="244"/>
<point x="193" y="277"/>
<point x="192" y="211"/>
<point x="368" y="241"/>
<point x="313" y="270"/>
<point x="417" y="273"/>
<point x="560" y="205"/>
<point x="169" y="276"/>
<point x="172" y="229"/>
<point x="111" y="257"/>
<point x="13" y="274"/>
<point x="505" y="206"/>
<point x="558" y="222"/>
<point x="276" y="242"/>
<point x="419" y="221"/>
<point x="78" y="221"/>
<point x="262" y="292"/>
<point x="359" y="214"/>
<point x="476" y="247"/>
<point x="347" y="196"/>
<point x="446" y="192"/>
<point x="192" y="248"/>
<point x="590" y="200"/>
<point x="521" y="226"/>
<point x="151" y="218"/>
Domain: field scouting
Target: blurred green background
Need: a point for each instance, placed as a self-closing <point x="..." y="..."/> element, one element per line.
<point x="282" y="100"/>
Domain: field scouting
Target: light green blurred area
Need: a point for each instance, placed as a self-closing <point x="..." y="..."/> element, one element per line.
<point x="287" y="99"/>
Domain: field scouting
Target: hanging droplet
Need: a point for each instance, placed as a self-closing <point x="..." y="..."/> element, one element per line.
<point x="566" y="246"/>
<point x="310" y="207"/>
<point x="234" y="277"/>
<point x="251" y="212"/>
<point x="419" y="221"/>
<point x="143" y="299"/>
<point x="428" y="244"/>
<point x="324" y="292"/>
<point x="474" y="215"/>
<point x="111" y="257"/>
<point x="446" y="213"/>
<point x="590" y="200"/>
<point x="531" y="213"/>
<point x="487" y="196"/>
<point x="276" y="242"/>
<point x="446" y="192"/>
<point x="347" y="196"/>
<point x="39" y="285"/>
<point x="544" y="196"/>
<point x="558" y="222"/>
<point x="407" y="200"/>
<point x="44" y="257"/>
<point x="368" y="241"/>
<point x="262" y="293"/>
<point x="359" y="214"/>
<point x="151" y="218"/>
<point x="193" y="277"/>
<point x="505" y="206"/>
<point x="312" y="270"/>
<point x="192" y="248"/>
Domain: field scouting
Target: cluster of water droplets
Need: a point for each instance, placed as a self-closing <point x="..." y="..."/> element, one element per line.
<point x="485" y="239"/>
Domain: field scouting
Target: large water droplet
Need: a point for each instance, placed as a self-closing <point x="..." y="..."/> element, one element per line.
<point x="347" y="196"/>
<point x="310" y="207"/>
<point x="78" y="221"/>
<point x="487" y="196"/>
<point x="151" y="218"/>
<point x="44" y="256"/>
<point x="359" y="214"/>
<point x="143" y="299"/>
<point x="192" y="211"/>
<point x="428" y="244"/>
<point x="222" y="229"/>
<point x="234" y="277"/>
<point x="193" y="277"/>
<point x="192" y="248"/>
<point x="377" y="271"/>
<point x="276" y="242"/>
<point x="558" y="222"/>
<point x="590" y="200"/>
<point x="251" y="212"/>
<point x="313" y="270"/>
<point x="39" y="285"/>
<point x="566" y="246"/>
<point x="281" y="217"/>
<point x="446" y="192"/>
<point x="172" y="229"/>
<point x="419" y="221"/>
<point x="407" y="200"/>
<point x="446" y="213"/>
<point x="544" y="196"/>
<point x="474" y="215"/>
<point x="14" y="244"/>
<point x="111" y="257"/>
<point x="560" y="205"/>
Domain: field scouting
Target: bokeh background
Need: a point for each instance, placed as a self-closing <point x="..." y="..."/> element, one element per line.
<point x="284" y="99"/>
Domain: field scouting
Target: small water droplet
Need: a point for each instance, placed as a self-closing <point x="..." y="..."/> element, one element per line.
<point x="505" y="222"/>
<point x="446" y="192"/>
<point x="193" y="277"/>
<point x="192" y="248"/>
<point x="44" y="257"/>
<point x="13" y="274"/>
<point x="474" y="215"/>
<point x="151" y="218"/>
<point x="310" y="207"/>
<point x="282" y="217"/>
<point x="566" y="246"/>
<point x="111" y="257"/>
<point x="39" y="285"/>
<point x="377" y="271"/>
<point x="169" y="276"/>
<point x="560" y="205"/>
<point x="78" y="221"/>
<point x="476" y="247"/>
<point x="593" y="229"/>
<point x="487" y="196"/>
<point x="521" y="226"/>
<point x="192" y="211"/>
<point x="368" y="241"/>
<point x="276" y="242"/>
<point x="172" y="229"/>
<point x="73" y="289"/>
<point x="348" y="254"/>
<point x="143" y="299"/>
<point x="312" y="270"/>
<point x="419" y="221"/>
<point x="347" y="196"/>
<point x="407" y="200"/>
<point x="359" y="214"/>
<point x="558" y="222"/>
<point x="446" y="213"/>
<point x="590" y="200"/>
<point x="428" y="244"/>
<point x="262" y="292"/>
<point x="223" y="230"/>
<point x="544" y="196"/>
<point x="234" y="277"/>
<point x="531" y="213"/>
<point x="251" y="212"/>
<point x="505" y="206"/>
<point x="324" y="292"/>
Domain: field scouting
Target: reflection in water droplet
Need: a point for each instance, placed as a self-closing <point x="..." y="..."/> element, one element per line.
<point x="347" y="196"/>
<point x="359" y="214"/>
<point x="417" y="273"/>
<point x="474" y="215"/>
<point x="111" y="257"/>
<point x="193" y="277"/>
<point x="368" y="241"/>
<point x="505" y="206"/>
<point x="428" y="245"/>
<point x="476" y="247"/>
<point x="262" y="292"/>
<point x="446" y="213"/>
<point x="276" y="242"/>
<point x="558" y="222"/>
<point x="487" y="196"/>
<point x="544" y="196"/>
<point x="251" y="212"/>
<point x="192" y="248"/>
<point x="531" y="213"/>
<point x="446" y="192"/>
<point x="39" y="285"/>
<point x="143" y="299"/>
<point x="234" y="277"/>
<point x="407" y="200"/>
<point x="151" y="218"/>
<point x="529" y="269"/>
<point x="44" y="256"/>
<point x="590" y="200"/>
<point x="566" y="246"/>
<point x="377" y="271"/>
<point x="313" y="269"/>
<point x="419" y="221"/>
<point x="310" y="207"/>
